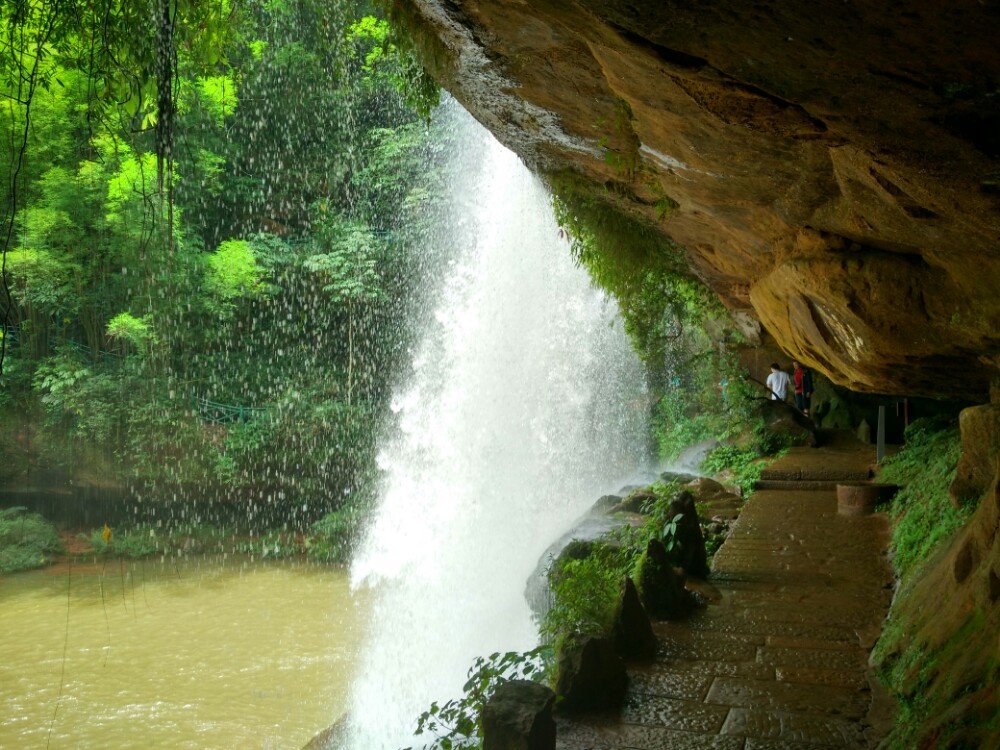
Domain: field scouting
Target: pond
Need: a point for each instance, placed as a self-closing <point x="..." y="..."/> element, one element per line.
<point x="176" y="653"/>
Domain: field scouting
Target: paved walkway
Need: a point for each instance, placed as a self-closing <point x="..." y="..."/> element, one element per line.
<point x="778" y="659"/>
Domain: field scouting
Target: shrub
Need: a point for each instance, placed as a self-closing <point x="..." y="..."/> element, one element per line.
<point x="746" y="464"/>
<point x="332" y="537"/>
<point x="26" y="540"/>
<point x="458" y="723"/>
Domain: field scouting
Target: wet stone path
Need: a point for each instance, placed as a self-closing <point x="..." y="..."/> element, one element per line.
<point x="778" y="659"/>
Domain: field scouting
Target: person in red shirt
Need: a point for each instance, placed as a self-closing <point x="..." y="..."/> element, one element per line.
<point x="803" y="387"/>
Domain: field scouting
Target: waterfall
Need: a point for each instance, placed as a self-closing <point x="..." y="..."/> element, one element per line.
<point x="523" y="405"/>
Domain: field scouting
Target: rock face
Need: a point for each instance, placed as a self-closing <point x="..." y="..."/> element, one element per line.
<point x="518" y="716"/>
<point x="831" y="169"/>
<point x="949" y="618"/>
<point x="980" y="427"/>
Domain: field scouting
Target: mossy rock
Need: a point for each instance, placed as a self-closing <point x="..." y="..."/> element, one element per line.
<point x="660" y="588"/>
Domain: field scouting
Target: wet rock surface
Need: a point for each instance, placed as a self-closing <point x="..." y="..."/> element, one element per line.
<point x="779" y="658"/>
<point x="591" y="675"/>
<point x="689" y="543"/>
<point x="518" y="716"/>
<point x="633" y="633"/>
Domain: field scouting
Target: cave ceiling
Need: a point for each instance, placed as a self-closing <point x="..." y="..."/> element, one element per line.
<point x="833" y="168"/>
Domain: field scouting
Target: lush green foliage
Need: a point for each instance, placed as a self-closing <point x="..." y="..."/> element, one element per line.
<point x="457" y="723"/>
<point x="332" y="538"/>
<point x="677" y="326"/>
<point x="584" y="593"/>
<point x="26" y="540"/>
<point x="923" y="520"/>
<point x="144" y="540"/>
<point x="199" y="253"/>
<point x="923" y="516"/>
<point x="585" y="581"/>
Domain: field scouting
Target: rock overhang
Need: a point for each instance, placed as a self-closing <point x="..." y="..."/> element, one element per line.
<point x="832" y="170"/>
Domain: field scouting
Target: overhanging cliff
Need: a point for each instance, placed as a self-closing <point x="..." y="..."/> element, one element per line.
<point x="831" y="168"/>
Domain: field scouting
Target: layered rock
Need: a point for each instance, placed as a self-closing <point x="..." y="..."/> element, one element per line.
<point x="832" y="169"/>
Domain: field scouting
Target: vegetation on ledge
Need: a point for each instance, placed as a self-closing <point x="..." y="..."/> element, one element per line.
<point x="924" y="523"/>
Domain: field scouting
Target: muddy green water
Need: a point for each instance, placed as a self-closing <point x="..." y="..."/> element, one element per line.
<point x="201" y="653"/>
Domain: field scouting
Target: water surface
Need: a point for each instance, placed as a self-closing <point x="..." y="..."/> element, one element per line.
<point x="200" y="653"/>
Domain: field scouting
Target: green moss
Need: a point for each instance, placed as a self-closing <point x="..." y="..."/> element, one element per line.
<point x="923" y="516"/>
<point x="584" y="593"/>
<point x="922" y="677"/>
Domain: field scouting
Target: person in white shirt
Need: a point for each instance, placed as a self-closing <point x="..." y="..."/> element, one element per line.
<point x="777" y="383"/>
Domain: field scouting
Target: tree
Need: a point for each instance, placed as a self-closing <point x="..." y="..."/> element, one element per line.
<point x="349" y="270"/>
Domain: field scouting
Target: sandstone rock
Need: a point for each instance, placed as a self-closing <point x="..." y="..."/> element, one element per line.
<point x="334" y="737"/>
<point x="831" y="168"/>
<point x="518" y="716"/>
<point x="591" y="676"/>
<point x="632" y="632"/>
<point x="950" y="614"/>
<point x="660" y="588"/>
<point x="980" y="427"/>
<point x="705" y="489"/>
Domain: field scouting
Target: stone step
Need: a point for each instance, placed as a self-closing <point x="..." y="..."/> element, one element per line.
<point x="816" y="475"/>
<point x="802" y="485"/>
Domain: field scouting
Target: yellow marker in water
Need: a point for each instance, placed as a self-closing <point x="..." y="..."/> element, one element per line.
<point x="106" y="535"/>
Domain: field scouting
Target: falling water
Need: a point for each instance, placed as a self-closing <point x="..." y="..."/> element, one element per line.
<point x="523" y="405"/>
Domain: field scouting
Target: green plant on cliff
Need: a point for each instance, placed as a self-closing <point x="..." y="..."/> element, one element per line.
<point x="586" y="583"/>
<point x="923" y="515"/>
<point x="584" y="594"/>
<point x="676" y="325"/>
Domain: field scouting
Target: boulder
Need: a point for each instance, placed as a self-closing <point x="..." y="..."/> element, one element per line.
<point x="661" y="590"/>
<point x="591" y="675"/>
<point x="604" y="504"/>
<point x="980" y="427"/>
<point x="632" y="632"/>
<point x="688" y="551"/>
<point x="518" y="716"/>
<point x="635" y="502"/>
<point x="333" y="737"/>
<point x="864" y="433"/>
<point x="784" y="419"/>
<point x="705" y="489"/>
<point x="680" y="477"/>
<point x="589" y="532"/>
